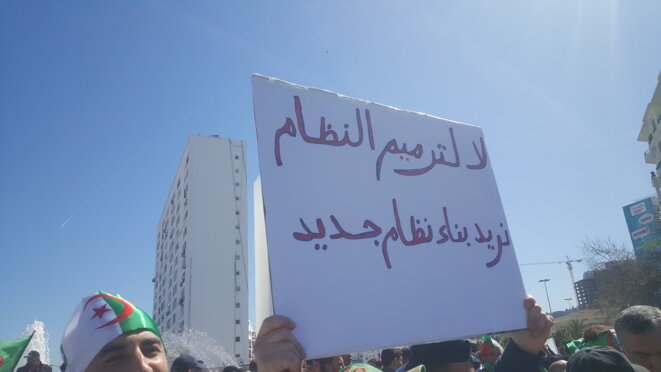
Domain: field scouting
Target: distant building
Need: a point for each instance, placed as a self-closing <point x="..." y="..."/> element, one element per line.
<point x="586" y="291"/>
<point x="201" y="253"/>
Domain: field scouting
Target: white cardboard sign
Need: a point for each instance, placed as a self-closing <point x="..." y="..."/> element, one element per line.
<point x="384" y="226"/>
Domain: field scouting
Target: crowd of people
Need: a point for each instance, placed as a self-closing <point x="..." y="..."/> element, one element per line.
<point x="129" y="340"/>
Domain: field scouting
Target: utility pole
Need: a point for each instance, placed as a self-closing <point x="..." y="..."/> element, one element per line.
<point x="547" y="293"/>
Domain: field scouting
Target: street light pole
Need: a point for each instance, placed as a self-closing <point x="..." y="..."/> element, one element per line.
<point x="568" y="302"/>
<point x="547" y="293"/>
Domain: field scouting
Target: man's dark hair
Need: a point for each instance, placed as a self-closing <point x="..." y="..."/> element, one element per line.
<point x="638" y="319"/>
<point x="388" y="355"/>
<point x="592" y="333"/>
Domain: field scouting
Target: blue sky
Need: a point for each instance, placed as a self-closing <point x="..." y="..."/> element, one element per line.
<point x="97" y="100"/>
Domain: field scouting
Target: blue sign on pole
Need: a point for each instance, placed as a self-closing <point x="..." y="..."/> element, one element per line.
<point x="644" y="229"/>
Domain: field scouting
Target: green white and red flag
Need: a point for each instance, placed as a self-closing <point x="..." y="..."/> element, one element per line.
<point x="11" y="351"/>
<point x="97" y="320"/>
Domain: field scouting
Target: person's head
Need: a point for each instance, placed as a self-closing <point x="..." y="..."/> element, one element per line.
<point x="108" y="333"/>
<point x="602" y="359"/>
<point x="186" y="363"/>
<point x="312" y="365"/>
<point x="448" y="356"/>
<point x="33" y="358"/>
<point x="347" y="359"/>
<point x="331" y="364"/>
<point x="592" y="333"/>
<point x="638" y="329"/>
<point x="391" y="358"/>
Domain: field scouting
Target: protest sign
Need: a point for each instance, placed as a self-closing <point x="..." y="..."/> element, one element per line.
<point x="384" y="226"/>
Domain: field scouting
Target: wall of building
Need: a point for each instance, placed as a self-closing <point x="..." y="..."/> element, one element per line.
<point x="201" y="278"/>
<point x="263" y="300"/>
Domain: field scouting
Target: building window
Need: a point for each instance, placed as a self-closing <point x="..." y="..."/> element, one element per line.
<point x="238" y="321"/>
<point x="237" y="198"/>
<point x="238" y="355"/>
<point x="236" y="227"/>
<point x="238" y="242"/>
<point x="238" y="289"/>
<point x="236" y="171"/>
<point x="237" y="273"/>
<point x="238" y="305"/>
<point x="237" y="339"/>
<point x="236" y="157"/>
<point x="237" y="213"/>
<point x="236" y="184"/>
<point x="237" y="257"/>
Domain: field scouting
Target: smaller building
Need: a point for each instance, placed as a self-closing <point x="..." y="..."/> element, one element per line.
<point x="586" y="291"/>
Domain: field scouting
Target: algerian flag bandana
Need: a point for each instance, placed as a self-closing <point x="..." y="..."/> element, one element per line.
<point x="97" y="320"/>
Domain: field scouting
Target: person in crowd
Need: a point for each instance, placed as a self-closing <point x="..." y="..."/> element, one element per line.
<point x="375" y="362"/>
<point x="638" y="330"/>
<point x="277" y="350"/>
<point x="331" y="364"/>
<point x="489" y="352"/>
<point x="447" y="356"/>
<point x="595" y="335"/>
<point x="391" y="359"/>
<point x="312" y="365"/>
<point x="406" y="354"/>
<point x="187" y="363"/>
<point x="232" y="369"/>
<point x="34" y="364"/>
<point x="108" y="333"/>
<point x="252" y="367"/>
<point x="347" y="359"/>
<point x="601" y="359"/>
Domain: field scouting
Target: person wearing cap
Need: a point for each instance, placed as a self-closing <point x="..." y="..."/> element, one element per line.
<point x="638" y="330"/>
<point x="108" y="333"/>
<point x="34" y="364"/>
<point x="602" y="359"/>
<point x="187" y="363"/>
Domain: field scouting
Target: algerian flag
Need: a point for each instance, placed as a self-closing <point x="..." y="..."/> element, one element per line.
<point x="96" y="321"/>
<point x="11" y="351"/>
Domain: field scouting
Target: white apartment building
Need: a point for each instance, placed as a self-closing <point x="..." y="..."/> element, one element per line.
<point x="201" y="253"/>
<point x="650" y="133"/>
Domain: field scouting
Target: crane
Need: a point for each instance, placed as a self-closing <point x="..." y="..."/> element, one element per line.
<point x="568" y="262"/>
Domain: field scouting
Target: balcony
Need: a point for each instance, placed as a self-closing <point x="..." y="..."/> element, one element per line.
<point x="653" y="155"/>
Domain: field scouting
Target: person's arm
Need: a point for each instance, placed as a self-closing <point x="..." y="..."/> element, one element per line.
<point x="276" y="349"/>
<point x="523" y="352"/>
